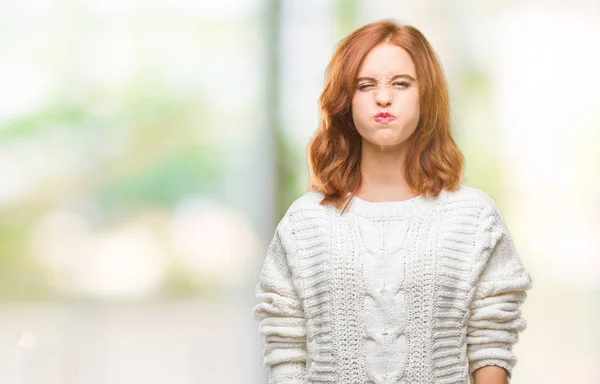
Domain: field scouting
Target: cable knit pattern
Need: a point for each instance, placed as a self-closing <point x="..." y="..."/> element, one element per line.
<point x="425" y="290"/>
<point x="385" y="301"/>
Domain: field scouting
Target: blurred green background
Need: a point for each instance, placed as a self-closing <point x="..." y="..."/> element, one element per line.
<point x="148" y="149"/>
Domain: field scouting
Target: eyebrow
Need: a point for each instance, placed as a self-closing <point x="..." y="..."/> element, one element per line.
<point x="404" y="75"/>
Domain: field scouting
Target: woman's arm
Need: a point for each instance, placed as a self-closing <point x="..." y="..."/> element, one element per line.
<point x="282" y="321"/>
<point x="495" y="319"/>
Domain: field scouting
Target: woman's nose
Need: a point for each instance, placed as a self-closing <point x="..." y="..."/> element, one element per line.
<point x="383" y="98"/>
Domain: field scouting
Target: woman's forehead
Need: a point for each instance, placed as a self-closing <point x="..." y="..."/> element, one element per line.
<point x="386" y="61"/>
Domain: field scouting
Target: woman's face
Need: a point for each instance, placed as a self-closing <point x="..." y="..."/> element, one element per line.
<point x="385" y="106"/>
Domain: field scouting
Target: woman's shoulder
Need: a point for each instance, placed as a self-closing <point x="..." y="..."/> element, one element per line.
<point x="305" y="219"/>
<point x="306" y="207"/>
<point x="476" y="197"/>
<point x="470" y="201"/>
<point x="308" y="202"/>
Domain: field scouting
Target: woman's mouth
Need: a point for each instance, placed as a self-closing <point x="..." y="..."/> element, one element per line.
<point x="384" y="117"/>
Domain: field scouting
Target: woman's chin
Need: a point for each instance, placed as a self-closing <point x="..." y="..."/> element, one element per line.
<point x="385" y="142"/>
<point x="384" y="145"/>
<point x="387" y="139"/>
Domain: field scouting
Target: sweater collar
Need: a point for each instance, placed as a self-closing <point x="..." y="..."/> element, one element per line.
<point x="387" y="209"/>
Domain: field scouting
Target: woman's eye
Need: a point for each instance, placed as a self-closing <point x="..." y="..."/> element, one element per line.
<point x="402" y="83"/>
<point x="364" y="86"/>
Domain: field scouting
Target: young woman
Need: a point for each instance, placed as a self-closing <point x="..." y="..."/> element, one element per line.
<point x="390" y="270"/>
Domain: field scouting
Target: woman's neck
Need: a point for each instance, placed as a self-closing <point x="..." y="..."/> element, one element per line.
<point x="382" y="174"/>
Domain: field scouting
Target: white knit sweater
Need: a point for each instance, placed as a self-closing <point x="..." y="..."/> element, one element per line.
<point x="425" y="290"/>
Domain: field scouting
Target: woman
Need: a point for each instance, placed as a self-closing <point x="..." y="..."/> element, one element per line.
<point x="389" y="270"/>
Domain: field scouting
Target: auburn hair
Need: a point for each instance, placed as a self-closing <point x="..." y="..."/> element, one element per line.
<point x="433" y="160"/>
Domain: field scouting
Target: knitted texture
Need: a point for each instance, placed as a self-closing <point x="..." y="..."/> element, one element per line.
<point x="421" y="291"/>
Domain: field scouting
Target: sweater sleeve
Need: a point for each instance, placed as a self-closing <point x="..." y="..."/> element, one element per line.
<point x="495" y="318"/>
<point x="282" y="321"/>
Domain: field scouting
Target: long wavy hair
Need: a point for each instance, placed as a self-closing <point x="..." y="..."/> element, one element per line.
<point x="433" y="161"/>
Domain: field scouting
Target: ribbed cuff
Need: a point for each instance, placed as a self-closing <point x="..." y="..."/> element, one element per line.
<point x="484" y="363"/>
<point x="287" y="373"/>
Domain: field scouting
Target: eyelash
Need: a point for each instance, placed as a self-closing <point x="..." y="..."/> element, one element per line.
<point x="402" y="83"/>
